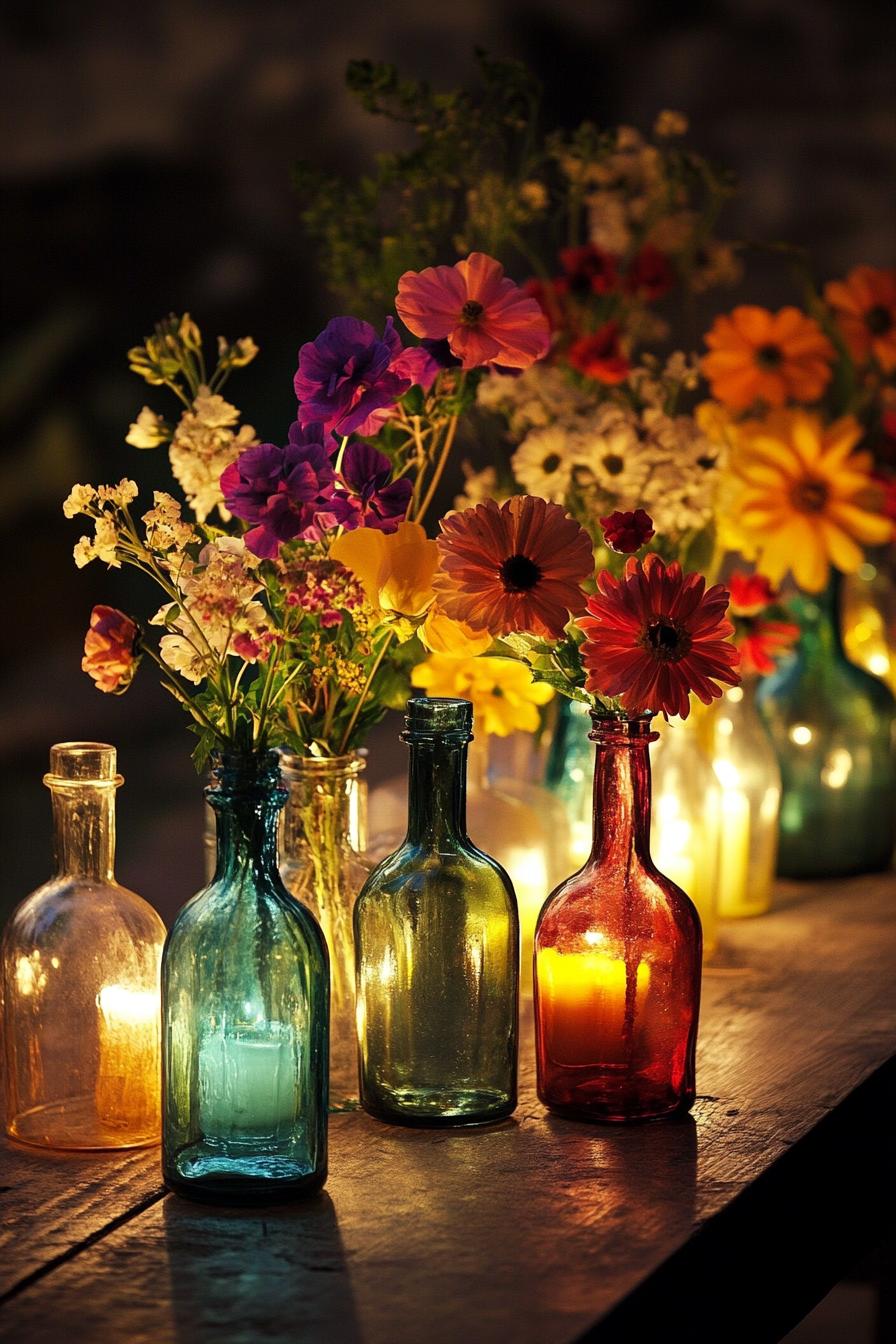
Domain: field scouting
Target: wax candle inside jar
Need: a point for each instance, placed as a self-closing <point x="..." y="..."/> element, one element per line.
<point x="734" y="850"/>
<point x="589" y="1002"/>
<point x="247" y="1083"/>
<point x="128" y="1086"/>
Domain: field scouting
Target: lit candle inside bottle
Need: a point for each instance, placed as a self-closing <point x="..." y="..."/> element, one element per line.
<point x="734" y="851"/>
<point x="582" y="1005"/>
<point x="128" y="1086"/>
<point x="247" y="1082"/>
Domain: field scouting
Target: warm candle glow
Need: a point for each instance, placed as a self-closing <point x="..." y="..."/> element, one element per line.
<point x="582" y="1002"/>
<point x="128" y="1086"/>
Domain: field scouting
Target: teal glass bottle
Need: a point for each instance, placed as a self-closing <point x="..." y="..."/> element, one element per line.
<point x="245" y="1010"/>
<point x="437" y="950"/>
<point x="832" y="725"/>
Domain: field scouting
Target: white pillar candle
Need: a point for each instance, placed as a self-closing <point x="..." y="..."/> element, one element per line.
<point x="247" y="1082"/>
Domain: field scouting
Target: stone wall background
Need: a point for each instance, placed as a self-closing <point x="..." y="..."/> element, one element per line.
<point x="145" y="167"/>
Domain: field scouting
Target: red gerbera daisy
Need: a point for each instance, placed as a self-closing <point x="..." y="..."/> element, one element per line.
<point x="649" y="275"/>
<point x="586" y="270"/>
<point x="514" y="567"/>
<point x="655" y="635"/>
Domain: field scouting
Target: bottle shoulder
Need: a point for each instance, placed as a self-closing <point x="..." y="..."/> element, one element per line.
<point x="596" y="894"/>
<point x="82" y="903"/>
<point x="234" y="910"/>
<point x="460" y="866"/>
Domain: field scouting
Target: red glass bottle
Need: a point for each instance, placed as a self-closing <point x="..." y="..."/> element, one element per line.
<point x="618" y="951"/>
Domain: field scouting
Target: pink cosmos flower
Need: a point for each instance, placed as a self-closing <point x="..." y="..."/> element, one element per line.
<point x="483" y="315"/>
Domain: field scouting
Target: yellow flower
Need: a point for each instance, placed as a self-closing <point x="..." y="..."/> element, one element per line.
<point x="505" y="699"/>
<point x="802" y="499"/>
<point x="395" y="570"/>
<point x="441" y="634"/>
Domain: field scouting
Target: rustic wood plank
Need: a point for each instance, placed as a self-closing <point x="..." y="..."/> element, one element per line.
<point x="540" y="1230"/>
<point x="50" y="1203"/>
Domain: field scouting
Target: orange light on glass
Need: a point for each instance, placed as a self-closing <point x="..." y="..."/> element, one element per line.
<point x="129" y="1069"/>
<point x="583" y="1004"/>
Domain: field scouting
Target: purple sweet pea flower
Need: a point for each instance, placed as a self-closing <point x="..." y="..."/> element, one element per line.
<point x="287" y="492"/>
<point x="373" y="499"/>
<point x="345" y="376"/>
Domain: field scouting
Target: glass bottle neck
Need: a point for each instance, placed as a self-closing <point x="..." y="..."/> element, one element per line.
<point x="437" y="791"/>
<point x="247" y="798"/>
<point x="621" y="796"/>
<point x="84" y="830"/>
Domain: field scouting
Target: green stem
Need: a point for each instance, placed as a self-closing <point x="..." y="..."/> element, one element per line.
<point x="346" y="737"/>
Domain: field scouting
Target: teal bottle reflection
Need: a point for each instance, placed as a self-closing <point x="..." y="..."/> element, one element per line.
<point x="833" y="726"/>
<point x="245" y="1010"/>
<point x="437" y="950"/>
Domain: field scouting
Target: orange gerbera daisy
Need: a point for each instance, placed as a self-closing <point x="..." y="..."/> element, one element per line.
<point x="756" y="355"/>
<point x="514" y="567"/>
<point x="803" y="499"/>
<point x="655" y="635"/>
<point x="864" y="305"/>
<point x="484" y="316"/>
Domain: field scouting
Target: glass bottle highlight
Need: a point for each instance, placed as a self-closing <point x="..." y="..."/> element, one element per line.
<point x="80" y="961"/>
<point x="245" y="990"/>
<point x="617" y="959"/>
<point x="437" y="950"/>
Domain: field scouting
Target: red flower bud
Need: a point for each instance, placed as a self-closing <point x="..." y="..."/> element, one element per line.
<point x="627" y="532"/>
<point x="109" y="650"/>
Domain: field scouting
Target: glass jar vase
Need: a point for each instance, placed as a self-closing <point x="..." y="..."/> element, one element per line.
<point x="80" y="973"/>
<point x="245" y="989"/>
<point x="618" y="959"/>
<point x="833" y="727"/>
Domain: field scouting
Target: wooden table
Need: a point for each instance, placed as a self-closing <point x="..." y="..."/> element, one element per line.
<point x="726" y="1226"/>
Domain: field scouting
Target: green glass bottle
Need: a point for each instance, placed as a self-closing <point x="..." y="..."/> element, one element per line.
<point x="437" y="950"/>
<point x="245" y="1011"/>
<point x="832" y="725"/>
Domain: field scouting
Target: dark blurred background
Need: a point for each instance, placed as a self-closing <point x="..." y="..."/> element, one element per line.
<point x="146" y="167"/>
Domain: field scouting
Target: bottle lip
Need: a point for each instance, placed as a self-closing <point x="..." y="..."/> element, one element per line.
<point x="323" y="767"/>
<point x="76" y="764"/>
<point x="622" y="730"/>
<point x="438" y="718"/>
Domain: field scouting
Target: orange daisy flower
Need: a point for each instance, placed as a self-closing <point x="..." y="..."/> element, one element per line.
<point x="864" y="305"/>
<point x="756" y="355"/>
<point x="514" y="567"/>
<point x="484" y="316"/>
<point x="655" y="635"/>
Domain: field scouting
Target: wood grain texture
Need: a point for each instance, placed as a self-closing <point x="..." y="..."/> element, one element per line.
<point x="544" y="1231"/>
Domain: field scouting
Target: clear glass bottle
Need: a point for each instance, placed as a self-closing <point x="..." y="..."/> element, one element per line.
<point x="569" y="772"/>
<point x="80" y="962"/>
<point x="618" y="958"/>
<point x="833" y="727"/>
<point x="685" y="834"/>
<point x="746" y="768"/>
<point x="437" y="950"/>
<point x="869" y="617"/>
<point x="245" y="995"/>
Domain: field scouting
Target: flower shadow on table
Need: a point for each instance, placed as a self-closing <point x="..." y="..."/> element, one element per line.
<point x="249" y="1274"/>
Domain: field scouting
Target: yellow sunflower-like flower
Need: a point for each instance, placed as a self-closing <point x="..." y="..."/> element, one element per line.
<point x="802" y="499"/>
<point x="505" y="699"/>
<point x="441" y="634"/>
<point x="395" y="570"/>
